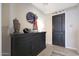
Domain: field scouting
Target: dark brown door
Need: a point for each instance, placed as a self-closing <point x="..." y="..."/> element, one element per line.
<point x="58" y="37"/>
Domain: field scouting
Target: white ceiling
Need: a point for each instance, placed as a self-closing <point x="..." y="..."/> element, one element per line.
<point x="53" y="7"/>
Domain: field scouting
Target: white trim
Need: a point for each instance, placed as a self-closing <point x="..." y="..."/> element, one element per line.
<point x="59" y="12"/>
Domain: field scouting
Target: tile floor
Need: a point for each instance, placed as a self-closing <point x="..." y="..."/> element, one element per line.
<point x="57" y="51"/>
<point x="56" y="54"/>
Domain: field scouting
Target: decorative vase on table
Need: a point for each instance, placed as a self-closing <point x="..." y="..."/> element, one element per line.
<point x="35" y="27"/>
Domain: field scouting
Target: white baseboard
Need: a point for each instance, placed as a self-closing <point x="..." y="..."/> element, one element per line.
<point x="0" y="54"/>
<point x="5" y="54"/>
<point x="71" y="48"/>
<point x="49" y="45"/>
<point x="78" y="52"/>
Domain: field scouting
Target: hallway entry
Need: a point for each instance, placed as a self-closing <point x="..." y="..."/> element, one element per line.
<point x="58" y="31"/>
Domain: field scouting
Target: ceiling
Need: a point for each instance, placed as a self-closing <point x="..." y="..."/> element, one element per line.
<point x="53" y="7"/>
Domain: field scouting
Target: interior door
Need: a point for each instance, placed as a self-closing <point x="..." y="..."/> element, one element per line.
<point x="58" y="30"/>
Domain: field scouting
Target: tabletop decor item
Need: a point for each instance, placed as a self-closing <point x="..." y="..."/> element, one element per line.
<point x="16" y="25"/>
<point x="26" y="30"/>
<point x="32" y="18"/>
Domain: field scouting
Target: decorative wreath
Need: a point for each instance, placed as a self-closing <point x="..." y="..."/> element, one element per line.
<point x="31" y="17"/>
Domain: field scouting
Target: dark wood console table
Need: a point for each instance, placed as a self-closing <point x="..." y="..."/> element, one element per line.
<point x="27" y="44"/>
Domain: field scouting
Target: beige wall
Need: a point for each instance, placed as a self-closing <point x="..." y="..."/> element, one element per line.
<point x="20" y="11"/>
<point x="71" y="27"/>
<point x="5" y="30"/>
<point x="48" y="27"/>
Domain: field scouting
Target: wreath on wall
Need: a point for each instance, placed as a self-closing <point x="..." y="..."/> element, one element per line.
<point x="31" y="17"/>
